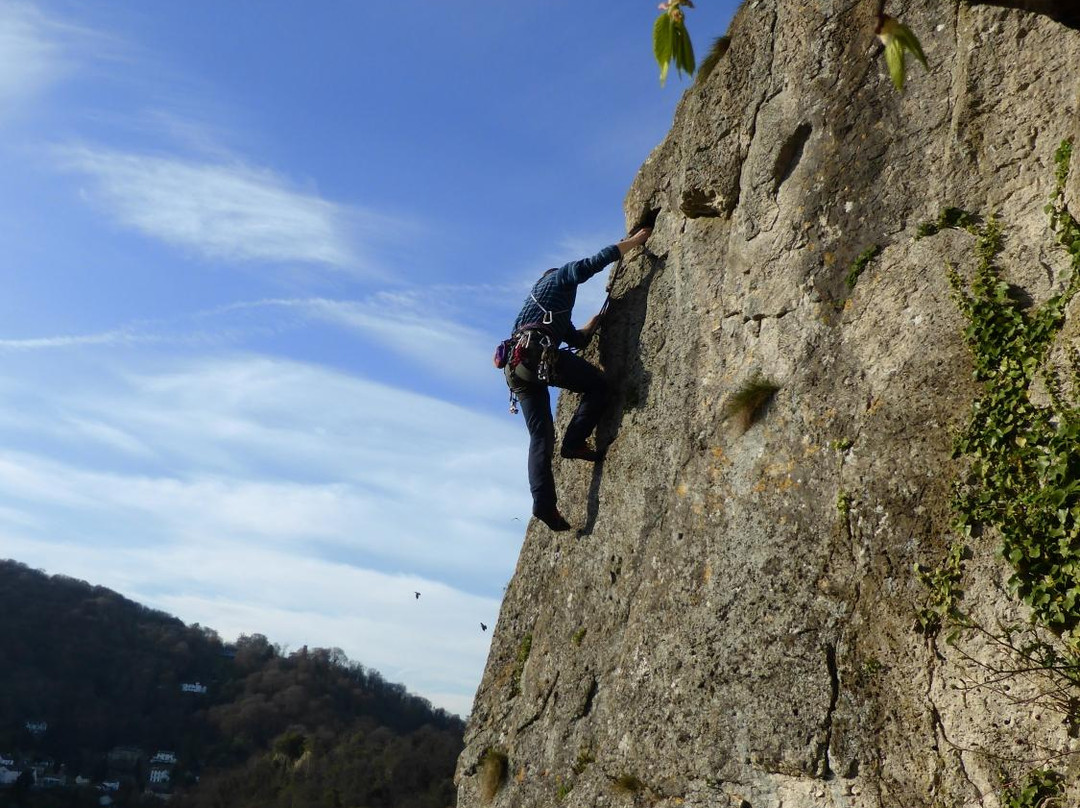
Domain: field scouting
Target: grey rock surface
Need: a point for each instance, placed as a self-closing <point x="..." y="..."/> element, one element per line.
<point x="734" y="625"/>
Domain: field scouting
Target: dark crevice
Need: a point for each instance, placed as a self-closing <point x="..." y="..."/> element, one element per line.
<point x="646" y="219"/>
<point x="699" y="204"/>
<point x="824" y="770"/>
<point x="790" y="154"/>
<point x="587" y="704"/>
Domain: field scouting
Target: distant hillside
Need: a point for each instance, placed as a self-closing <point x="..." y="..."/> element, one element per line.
<point x="102" y="697"/>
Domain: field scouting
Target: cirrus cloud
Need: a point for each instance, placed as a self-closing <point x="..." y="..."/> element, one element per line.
<point x="224" y="211"/>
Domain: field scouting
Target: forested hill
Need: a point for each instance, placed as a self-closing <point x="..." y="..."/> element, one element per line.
<point x="100" y="696"/>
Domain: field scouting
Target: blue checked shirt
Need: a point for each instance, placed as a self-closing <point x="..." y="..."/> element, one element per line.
<point x="552" y="297"/>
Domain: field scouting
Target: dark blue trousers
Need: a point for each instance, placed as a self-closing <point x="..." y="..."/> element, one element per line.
<point x="570" y="372"/>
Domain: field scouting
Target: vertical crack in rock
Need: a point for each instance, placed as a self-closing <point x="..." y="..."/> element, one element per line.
<point x="939" y="733"/>
<point x="823" y="769"/>
<point x="764" y="99"/>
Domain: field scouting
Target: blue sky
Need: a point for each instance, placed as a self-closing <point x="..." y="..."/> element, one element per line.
<point x="256" y="257"/>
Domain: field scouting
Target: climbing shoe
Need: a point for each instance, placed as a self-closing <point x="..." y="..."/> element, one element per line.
<point x="554" y="520"/>
<point x="582" y="452"/>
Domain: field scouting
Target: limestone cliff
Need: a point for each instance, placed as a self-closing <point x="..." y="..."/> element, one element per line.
<point x="736" y="623"/>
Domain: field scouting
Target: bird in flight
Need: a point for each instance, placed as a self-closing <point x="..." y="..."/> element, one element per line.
<point x="483" y="627"/>
<point x="417" y="595"/>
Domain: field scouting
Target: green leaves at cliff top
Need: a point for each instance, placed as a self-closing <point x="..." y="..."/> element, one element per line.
<point x="671" y="43"/>
<point x="671" y="40"/>
<point x="897" y="38"/>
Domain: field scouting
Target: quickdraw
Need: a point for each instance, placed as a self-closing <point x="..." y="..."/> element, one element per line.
<point x="545" y="368"/>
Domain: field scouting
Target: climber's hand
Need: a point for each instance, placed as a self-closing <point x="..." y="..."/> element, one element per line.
<point x="635" y="240"/>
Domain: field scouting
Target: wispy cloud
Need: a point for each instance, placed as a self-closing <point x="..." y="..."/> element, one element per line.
<point x="279" y="452"/>
<point x="414" y="327"/>
<point x="38" y="50"/>
<point x="113" y="337"/>
<point x="257" y="494"/>
<point x="29" y="57"/>
<point x="417" y="326"/>
<point x="226" y="211"/>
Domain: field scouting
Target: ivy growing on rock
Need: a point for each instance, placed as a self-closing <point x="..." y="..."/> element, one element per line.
<point x="1042" y="788"/>
<point x="1024" y="474"/>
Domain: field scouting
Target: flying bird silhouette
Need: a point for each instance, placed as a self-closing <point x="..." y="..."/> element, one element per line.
<point x="417" y="595"/>
<point x="483" y="627"/>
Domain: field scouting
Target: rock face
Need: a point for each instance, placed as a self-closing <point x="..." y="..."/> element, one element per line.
<point x="735" y="624"/>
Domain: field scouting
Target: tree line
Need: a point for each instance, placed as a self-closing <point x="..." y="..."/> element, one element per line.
<point x="104" y="675"/>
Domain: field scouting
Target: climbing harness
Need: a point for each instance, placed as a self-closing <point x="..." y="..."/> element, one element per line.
<point x="532" y="345"/>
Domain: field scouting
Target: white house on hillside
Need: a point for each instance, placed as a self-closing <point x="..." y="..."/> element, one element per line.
<point x="193" y="687"/>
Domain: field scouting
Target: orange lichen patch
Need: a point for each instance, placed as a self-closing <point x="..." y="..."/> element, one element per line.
<point x="874" y="405"/>
<point x="778" y="469"/>
<point x="715" y="503"/>
<point x="706" y="574"/>
<point x="520" y="776"/>
<point x="829" y="258"/>
<point x="782" y="484"/>
<point x="682" y="489"/>
<point x="777" y="476"/>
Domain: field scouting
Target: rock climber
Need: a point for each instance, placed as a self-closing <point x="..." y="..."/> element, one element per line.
<point x="535" y="362"/>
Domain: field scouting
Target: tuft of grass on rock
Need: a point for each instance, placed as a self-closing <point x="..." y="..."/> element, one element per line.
<point x="949" y="218"/>
<point x="716" y="53"/>
<point x="747" y="404"/>
<point x="628" y="784"/>
<point x="859" y="264"/>
<point x="493" y="767"/>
